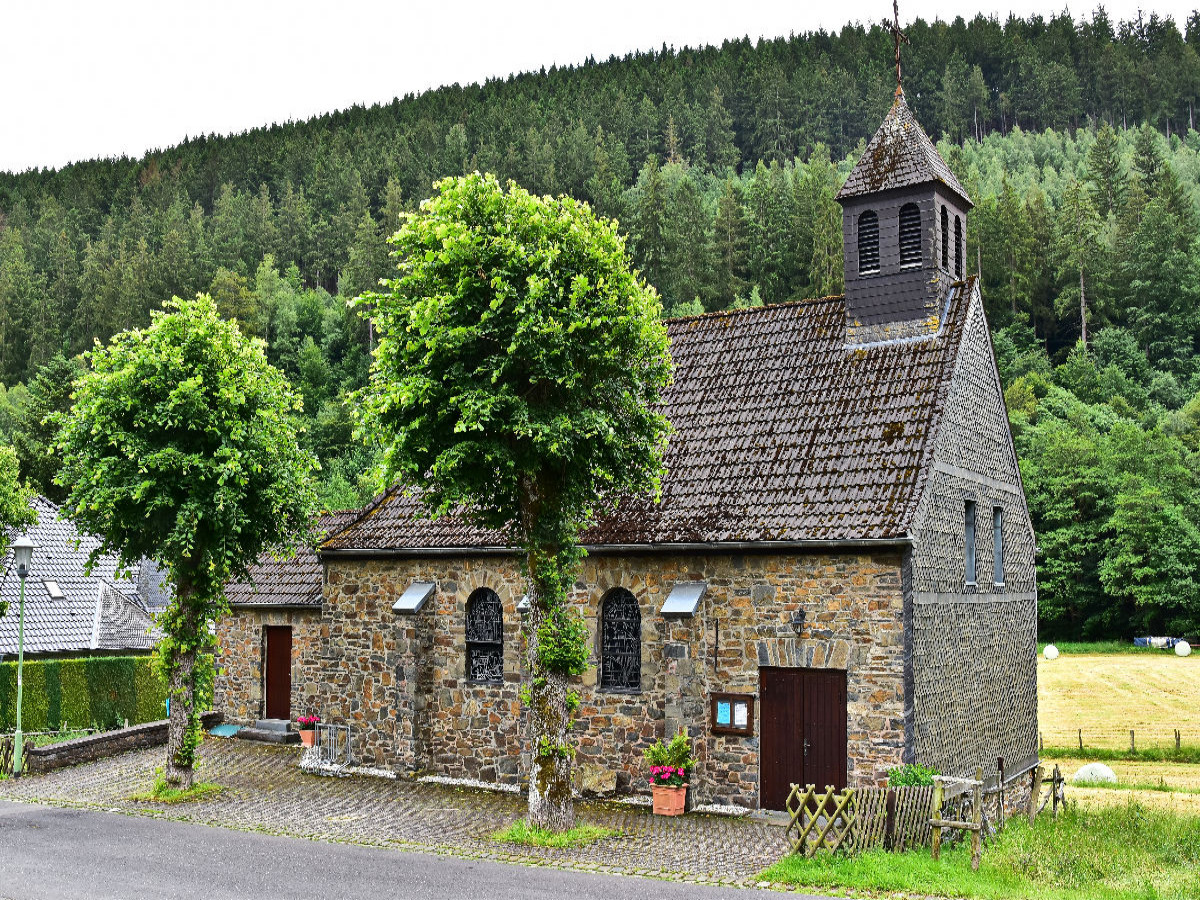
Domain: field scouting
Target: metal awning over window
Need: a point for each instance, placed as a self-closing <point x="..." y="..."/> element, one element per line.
<point x="413" y="598"/>
<point x="685" y="596"/>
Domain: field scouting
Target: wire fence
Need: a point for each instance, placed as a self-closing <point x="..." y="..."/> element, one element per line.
<point x="1156" y="738"/>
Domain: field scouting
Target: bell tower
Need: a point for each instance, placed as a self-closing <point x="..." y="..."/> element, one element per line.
<point x="904" y="227"/>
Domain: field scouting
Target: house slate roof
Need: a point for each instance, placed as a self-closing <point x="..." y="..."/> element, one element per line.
<point x="96" y="612"/>
<point x="294" y="582"/>
<point x="782" y="433"/>
<point x="900" y="155"/>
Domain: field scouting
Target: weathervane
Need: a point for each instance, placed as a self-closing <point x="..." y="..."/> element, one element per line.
<point x="900" y="36"/>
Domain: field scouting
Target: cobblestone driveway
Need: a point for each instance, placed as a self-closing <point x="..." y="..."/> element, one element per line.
<point x="264" y="790"/>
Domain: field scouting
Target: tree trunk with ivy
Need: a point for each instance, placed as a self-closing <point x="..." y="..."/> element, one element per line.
<point x="557" y="649"/>
<point x="179" y="656"/>
<point x="550" y="804"/>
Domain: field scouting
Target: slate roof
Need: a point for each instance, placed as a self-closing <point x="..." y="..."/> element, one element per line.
<point x="96" y="612"/>
<point x="294" y="582"/>
<point x="782" y="433"/>
<point x="900" y="155"/>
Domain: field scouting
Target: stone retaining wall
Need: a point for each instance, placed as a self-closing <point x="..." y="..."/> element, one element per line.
<point x="105" y="743"/>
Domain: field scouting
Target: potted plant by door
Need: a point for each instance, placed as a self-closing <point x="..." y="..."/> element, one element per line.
<point x="670" y="769"/>
<point x="308" y="729"/>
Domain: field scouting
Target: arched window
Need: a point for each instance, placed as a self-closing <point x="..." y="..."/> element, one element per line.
<point x="868" y="243"/>
<point x="620" y="642"/>
<point x="910" y="235"/>
<point x="957" y="247"/>
<point x="945" y="239"/>
<point x="485" y="637"/>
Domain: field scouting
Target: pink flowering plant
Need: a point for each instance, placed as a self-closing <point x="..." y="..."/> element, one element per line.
<point x="308" y="722"/>
<point x="671" y="764"/>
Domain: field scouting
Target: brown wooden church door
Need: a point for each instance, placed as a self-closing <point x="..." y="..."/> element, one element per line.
<point x="279" y="671"/>
<point x="803" y="731"/>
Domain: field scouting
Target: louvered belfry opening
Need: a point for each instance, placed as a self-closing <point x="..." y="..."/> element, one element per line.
<point x="958" y="247"/>
<point x="910" y="235"/>
<point x="945" y="238"/>
<point x="868" y="243"/>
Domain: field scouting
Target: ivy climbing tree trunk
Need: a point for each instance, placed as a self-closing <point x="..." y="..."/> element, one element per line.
<point x="179" y="659"/>
<point x="550" y="803"/>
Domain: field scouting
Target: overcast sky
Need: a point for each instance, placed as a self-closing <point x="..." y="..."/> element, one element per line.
<point x="83" y="80"/>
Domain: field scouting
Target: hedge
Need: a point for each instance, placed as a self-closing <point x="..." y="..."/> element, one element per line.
<point x="96" y="691"/>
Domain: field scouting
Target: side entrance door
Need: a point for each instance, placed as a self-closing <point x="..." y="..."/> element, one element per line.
<point x="803" y="731"/>
<point x="279" y="671"/>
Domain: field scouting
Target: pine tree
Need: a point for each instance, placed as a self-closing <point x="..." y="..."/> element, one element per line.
<point x="1104" y="172"/>
<point x="728" y="248"/>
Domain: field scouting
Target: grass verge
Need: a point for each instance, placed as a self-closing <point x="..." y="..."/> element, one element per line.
<point x="1127" y="852"/>
<point x="1185" y="754"/>
<point x="164" y="793"/>
<point x="521" y="832"/>
<point x="1101" y="648"/>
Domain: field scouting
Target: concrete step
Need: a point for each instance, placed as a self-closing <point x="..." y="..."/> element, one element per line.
<point x="273" y="725"/>
<point x="268" y="736"/>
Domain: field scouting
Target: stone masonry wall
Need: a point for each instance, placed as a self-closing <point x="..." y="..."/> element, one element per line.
<point x="400" y="681"/>
<point x="239" y="681"/>
<point x="973" y="663"/>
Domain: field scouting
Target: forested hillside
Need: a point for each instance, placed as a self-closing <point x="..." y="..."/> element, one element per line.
<point x="1074" y="139"/>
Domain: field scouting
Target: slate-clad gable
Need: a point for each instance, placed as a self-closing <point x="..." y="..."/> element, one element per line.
<point x="781" y="433"/>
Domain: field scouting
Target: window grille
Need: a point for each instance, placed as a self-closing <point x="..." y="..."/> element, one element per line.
<point x="970" y="542"/>
<point x="997" y="545"/>
<point x="945" y="239"/>
<point x="910" y="235"/>
<point x="620" y="642"/>
<point x="485" y="637"/>
<point x="868" y="243"/>
<point x="958" y="248"/>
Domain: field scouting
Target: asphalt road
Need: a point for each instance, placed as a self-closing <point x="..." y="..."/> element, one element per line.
<point x="49" y="853"/>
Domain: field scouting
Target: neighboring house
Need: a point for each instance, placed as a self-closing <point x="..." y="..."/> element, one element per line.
<point x="839" y="577"/>
<point x="69" y="612"/>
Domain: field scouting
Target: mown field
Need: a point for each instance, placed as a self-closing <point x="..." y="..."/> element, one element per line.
<point x="1152" y="692"/>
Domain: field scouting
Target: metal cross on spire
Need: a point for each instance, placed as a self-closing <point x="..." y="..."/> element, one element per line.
<point x="900" y="37"/>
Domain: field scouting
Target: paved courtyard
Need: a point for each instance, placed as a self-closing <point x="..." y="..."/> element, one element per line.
<point x="265" y="791"/>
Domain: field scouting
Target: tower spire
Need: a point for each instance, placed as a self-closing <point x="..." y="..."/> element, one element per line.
<point x="899" y="36"/>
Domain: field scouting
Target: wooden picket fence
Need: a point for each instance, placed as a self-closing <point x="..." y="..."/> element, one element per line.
<point x="6" y="754"/>
<point x="858" y="819"/>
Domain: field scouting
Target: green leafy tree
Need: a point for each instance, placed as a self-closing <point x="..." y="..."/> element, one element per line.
<point x="181" y="447"/>
<point x="519" y="364"/>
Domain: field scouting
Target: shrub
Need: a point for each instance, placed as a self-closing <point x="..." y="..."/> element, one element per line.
<point x="911" y="775"/>
<point x="671" y="763"/>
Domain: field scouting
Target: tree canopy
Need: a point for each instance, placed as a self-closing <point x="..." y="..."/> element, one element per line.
<point x="516" y="379"/>
<point x="181" y="447"/>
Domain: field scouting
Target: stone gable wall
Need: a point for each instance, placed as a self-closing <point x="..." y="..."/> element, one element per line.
<point x="973" y="664"/>
<point x="400" y="681"/>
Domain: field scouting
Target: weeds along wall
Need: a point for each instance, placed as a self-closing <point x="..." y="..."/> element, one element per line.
<point x="98" y="691"/>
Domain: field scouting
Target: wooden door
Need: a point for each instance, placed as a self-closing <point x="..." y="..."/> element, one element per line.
<point x="803" y="731"/>
<point x="279" y="671"/>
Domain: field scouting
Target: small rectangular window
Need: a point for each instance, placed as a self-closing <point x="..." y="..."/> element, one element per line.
<point x="997" y="545"/>
<point x="970" y="542"/>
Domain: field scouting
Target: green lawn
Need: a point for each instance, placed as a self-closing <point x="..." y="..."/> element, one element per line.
<point x="1127" y="852"/>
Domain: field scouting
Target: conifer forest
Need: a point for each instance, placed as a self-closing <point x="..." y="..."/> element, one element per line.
<point x="1077" y="141"/>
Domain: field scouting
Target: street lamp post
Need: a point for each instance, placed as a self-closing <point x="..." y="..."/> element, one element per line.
<point x="22" y="556"/>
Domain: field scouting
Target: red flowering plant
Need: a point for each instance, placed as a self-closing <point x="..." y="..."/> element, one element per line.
<point x="671" y="764"/>
<point x="308" y="722"/>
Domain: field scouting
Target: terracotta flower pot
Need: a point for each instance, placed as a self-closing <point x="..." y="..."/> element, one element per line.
<point x="308" y="736"/>
<point x="669" y="801"/>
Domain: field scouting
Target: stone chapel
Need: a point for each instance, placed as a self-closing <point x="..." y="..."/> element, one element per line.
<point x="839" y="577"/>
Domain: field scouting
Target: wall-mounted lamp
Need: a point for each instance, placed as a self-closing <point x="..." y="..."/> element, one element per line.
<point x="798" y="618"/>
